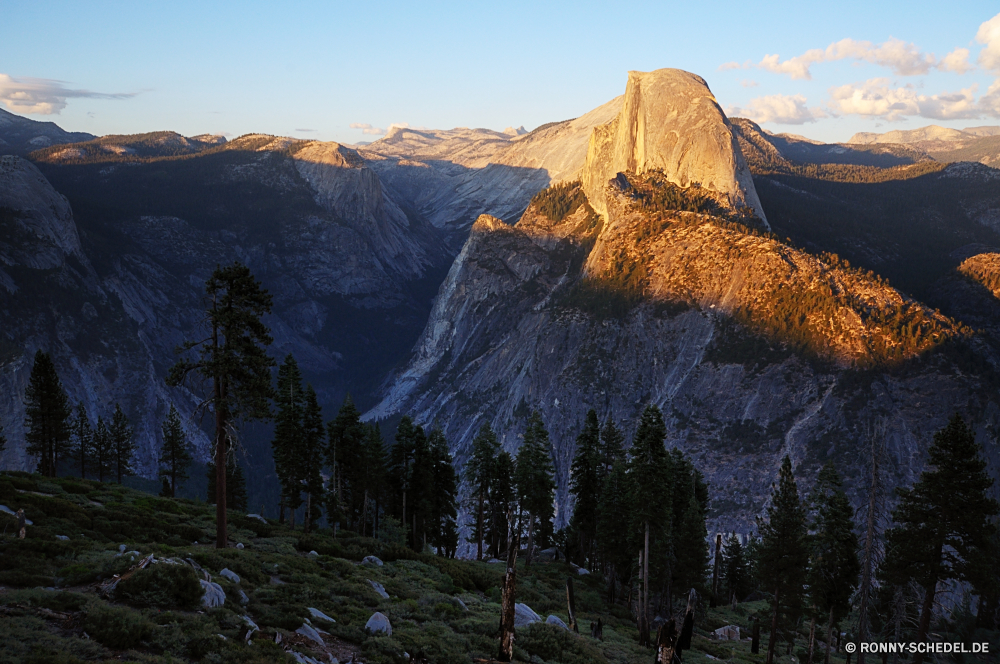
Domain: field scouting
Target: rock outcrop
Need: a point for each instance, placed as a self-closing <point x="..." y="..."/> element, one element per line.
<point x="670" y="121"/>
<point x="19" y="135"/>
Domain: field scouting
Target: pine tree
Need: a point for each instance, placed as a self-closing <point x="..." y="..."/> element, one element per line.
<point x="613" y="541"/>
<point x="689" y="498"/>
<point x="501" y="503"/>
<point x="345" y="455"/>
<point x="533" y="477"/>
<point x="649" y="469"/>
<point x="47" y="414"/>
<point x="288" y="435"/>
<point x="833" y="560"/>
<point x="612" y="445"/>
<point x="421" y="488"/>
<point x="587" y="475"/>
<point x="310" y="457"/>
<point x="783" y="554"/>
<point x="444" y="501"/>
<point x="373" y="476"/>
<point x="479" y="472"/>
<point x="83" y="436"/>
<point x="234" y="360"/>
<point x="174" y="454"/>
<point x="122" y="443"/>
<point x="943" y="522"/>
<point x="735" y="569"/>
<point x="401" y="461"/>
<point x="104" y="450"/>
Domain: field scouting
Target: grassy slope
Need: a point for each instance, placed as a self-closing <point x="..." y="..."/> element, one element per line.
<point x="49" y="597"/>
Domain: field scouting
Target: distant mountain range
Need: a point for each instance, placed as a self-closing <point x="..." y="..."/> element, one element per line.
<point x="770" y="293"/>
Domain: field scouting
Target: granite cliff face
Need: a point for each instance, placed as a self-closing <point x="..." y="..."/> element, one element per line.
<point x="752" y="348"/>
<point x="670" y="122"/>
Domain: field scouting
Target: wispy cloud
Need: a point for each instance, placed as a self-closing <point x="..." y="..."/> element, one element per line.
<point x="878" y="98"/>
<point x="748" y="83"/>
<point x="306" y="131"/>
<point x="779" y="109"/>
<point x="43" y="96"/>
<point x="902" y="58"/>
<point x="367" y="128"/>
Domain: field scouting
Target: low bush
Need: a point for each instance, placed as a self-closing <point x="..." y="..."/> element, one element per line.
<point x="550" y="642"/>
<point x="117" y="627"/>
<point x="162" y="586"/>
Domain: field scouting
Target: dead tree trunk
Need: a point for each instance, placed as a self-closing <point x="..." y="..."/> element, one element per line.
<point x="812" y="638"/>
<point x="507" y="598"/>
<point x="755" y="637"/>
<point x="645" y="588"/>
<point x="829" y="637"/>
<point x="666" y="643"/>
<point x="871" y="551"/>
<point x="571" y="605"/>
<point x="715" y="570"/>
<point x="687" y="629"/>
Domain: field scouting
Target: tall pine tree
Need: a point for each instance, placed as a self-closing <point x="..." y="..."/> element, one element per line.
<point x="175" y="456"/>
<point x="833" y="557"/>
<point x="535" y="483"/>
<point x="501" y="503"/>
<point x="83" y="439"/>
<point x="444" y="508"/>
<point x="236" y="485"/>
<point x="122" y="443"/>
<point x="47" y="413"/>
<point x="943" y="522"/>
<point x="345" y="455"/>
<point x="288" y="435"/>
<point x="735" y="569"/>
<point x="233" y="359"/>
<point x="479" y="472"/>
<point x="783" y="555"/>
<point x="587" y="475"/>
<point x="104" y="450"/>
<point x="310" y="458"/>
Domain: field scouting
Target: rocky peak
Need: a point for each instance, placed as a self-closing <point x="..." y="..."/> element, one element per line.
<point x="670" y="121"/>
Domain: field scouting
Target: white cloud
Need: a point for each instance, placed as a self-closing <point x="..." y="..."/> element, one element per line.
<point x="956" y="61"/>
<point x="42" y="96"/>
<point x="748" y="83"/>
<point x="876" y="98"/>
<point x="367" y="128"/>
<point x="989" y="103"/>
<point x="989" y="36"/>
<point x="735" y="65"/>
<point x="902" y="58"/>
<point x="779" y="109"/>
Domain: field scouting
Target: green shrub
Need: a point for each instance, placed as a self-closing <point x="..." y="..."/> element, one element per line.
<point x="162" y="586"/>
<point x="76" y="487"/>
<point x="117" y="627"/>
<point x="556" y="644"/>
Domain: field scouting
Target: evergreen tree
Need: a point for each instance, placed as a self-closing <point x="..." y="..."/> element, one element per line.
<point x="236" y="485"/>
<point x="174" y="454"/>
<point x="344" y="455"/>
<point x="587" y="475"/>
<point x="288" y="435"/>
<point x="833" y="560"/>
<point x="310" y="458"/>
<point x="689" y="500"/>
<point x="613" y="541"/>
<point x="612" y="445"/>
<point x="47" y="414"/>
<point x="650" y="471"/>
<point x="479" y="472"/>
<point x="233" y="359"/>
<point x="943" y="522"/>
<point x="104" y="450"/>
<point x="501" y="503"/>
<point x="783" y="555"/>
<point x="122" y="443"/>
<point x="421" y="488"/>
<point x="83" y="437"/>
<point x="444" y="501"/>
<point x="533" y="477"/>
<point x="401" y="473"/>
<point x="735" y="569"/>
<point x="373" y="477"/>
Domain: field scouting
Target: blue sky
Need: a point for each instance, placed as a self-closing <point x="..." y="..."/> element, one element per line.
<point x="312" y="69"/>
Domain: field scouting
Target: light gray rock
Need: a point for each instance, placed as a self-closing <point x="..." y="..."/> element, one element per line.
<point x="378" y="624"/>
<point x="379" y="588"/>
<point x="214" y="594"/>
<point x="371" y="560"/>
<point x="557" y="621"/>
<point x="460" y="603"/>
<point x="319" y="615"/>
<point x="239" y="545"/>
<point x="310" y="632"/>
<point x="727" y="633"/>
<point x="524" y="616"/>
<point x="58" y="537"/>
<point x="7" y="510"/>
<point x="227" y="573"/>
<point x="258" y="517"/>
<point x="313" y="553"/>
<point x="244" y="600"/>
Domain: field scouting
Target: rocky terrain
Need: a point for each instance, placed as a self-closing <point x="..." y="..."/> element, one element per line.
<point x="752" y="346"/>
<point x="20" y="135"/>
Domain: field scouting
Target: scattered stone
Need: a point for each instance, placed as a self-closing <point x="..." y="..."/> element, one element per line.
<point x="557" y="621"/>
<point x="379" y="588"/>
<point x="549" y="554"/>
<point x="494" y="561"/>
<point x="275" y="581"/>
<point x="460" y="603"/>
<point x="524" y="616"/>
<point x="239" y="545"/>
<point x="310" y="632"/>
<point x="319" y="615"/>
<point x="313" y="553"/>
<point x="122" y="547"/>
<point x="727" y="633"/>
<point x="60" y="537"/>
<point x="580" y="570"/>
<point x="251" y="628"/>
<point x="244" y="600"/>
<point x="258" y="517"/>
<point x="378" y="623"/>
<point x="227" y="573"/>
<point x="214" y="594"/>
<point x="303" y="659"/>
<point x="371" y="560"/>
